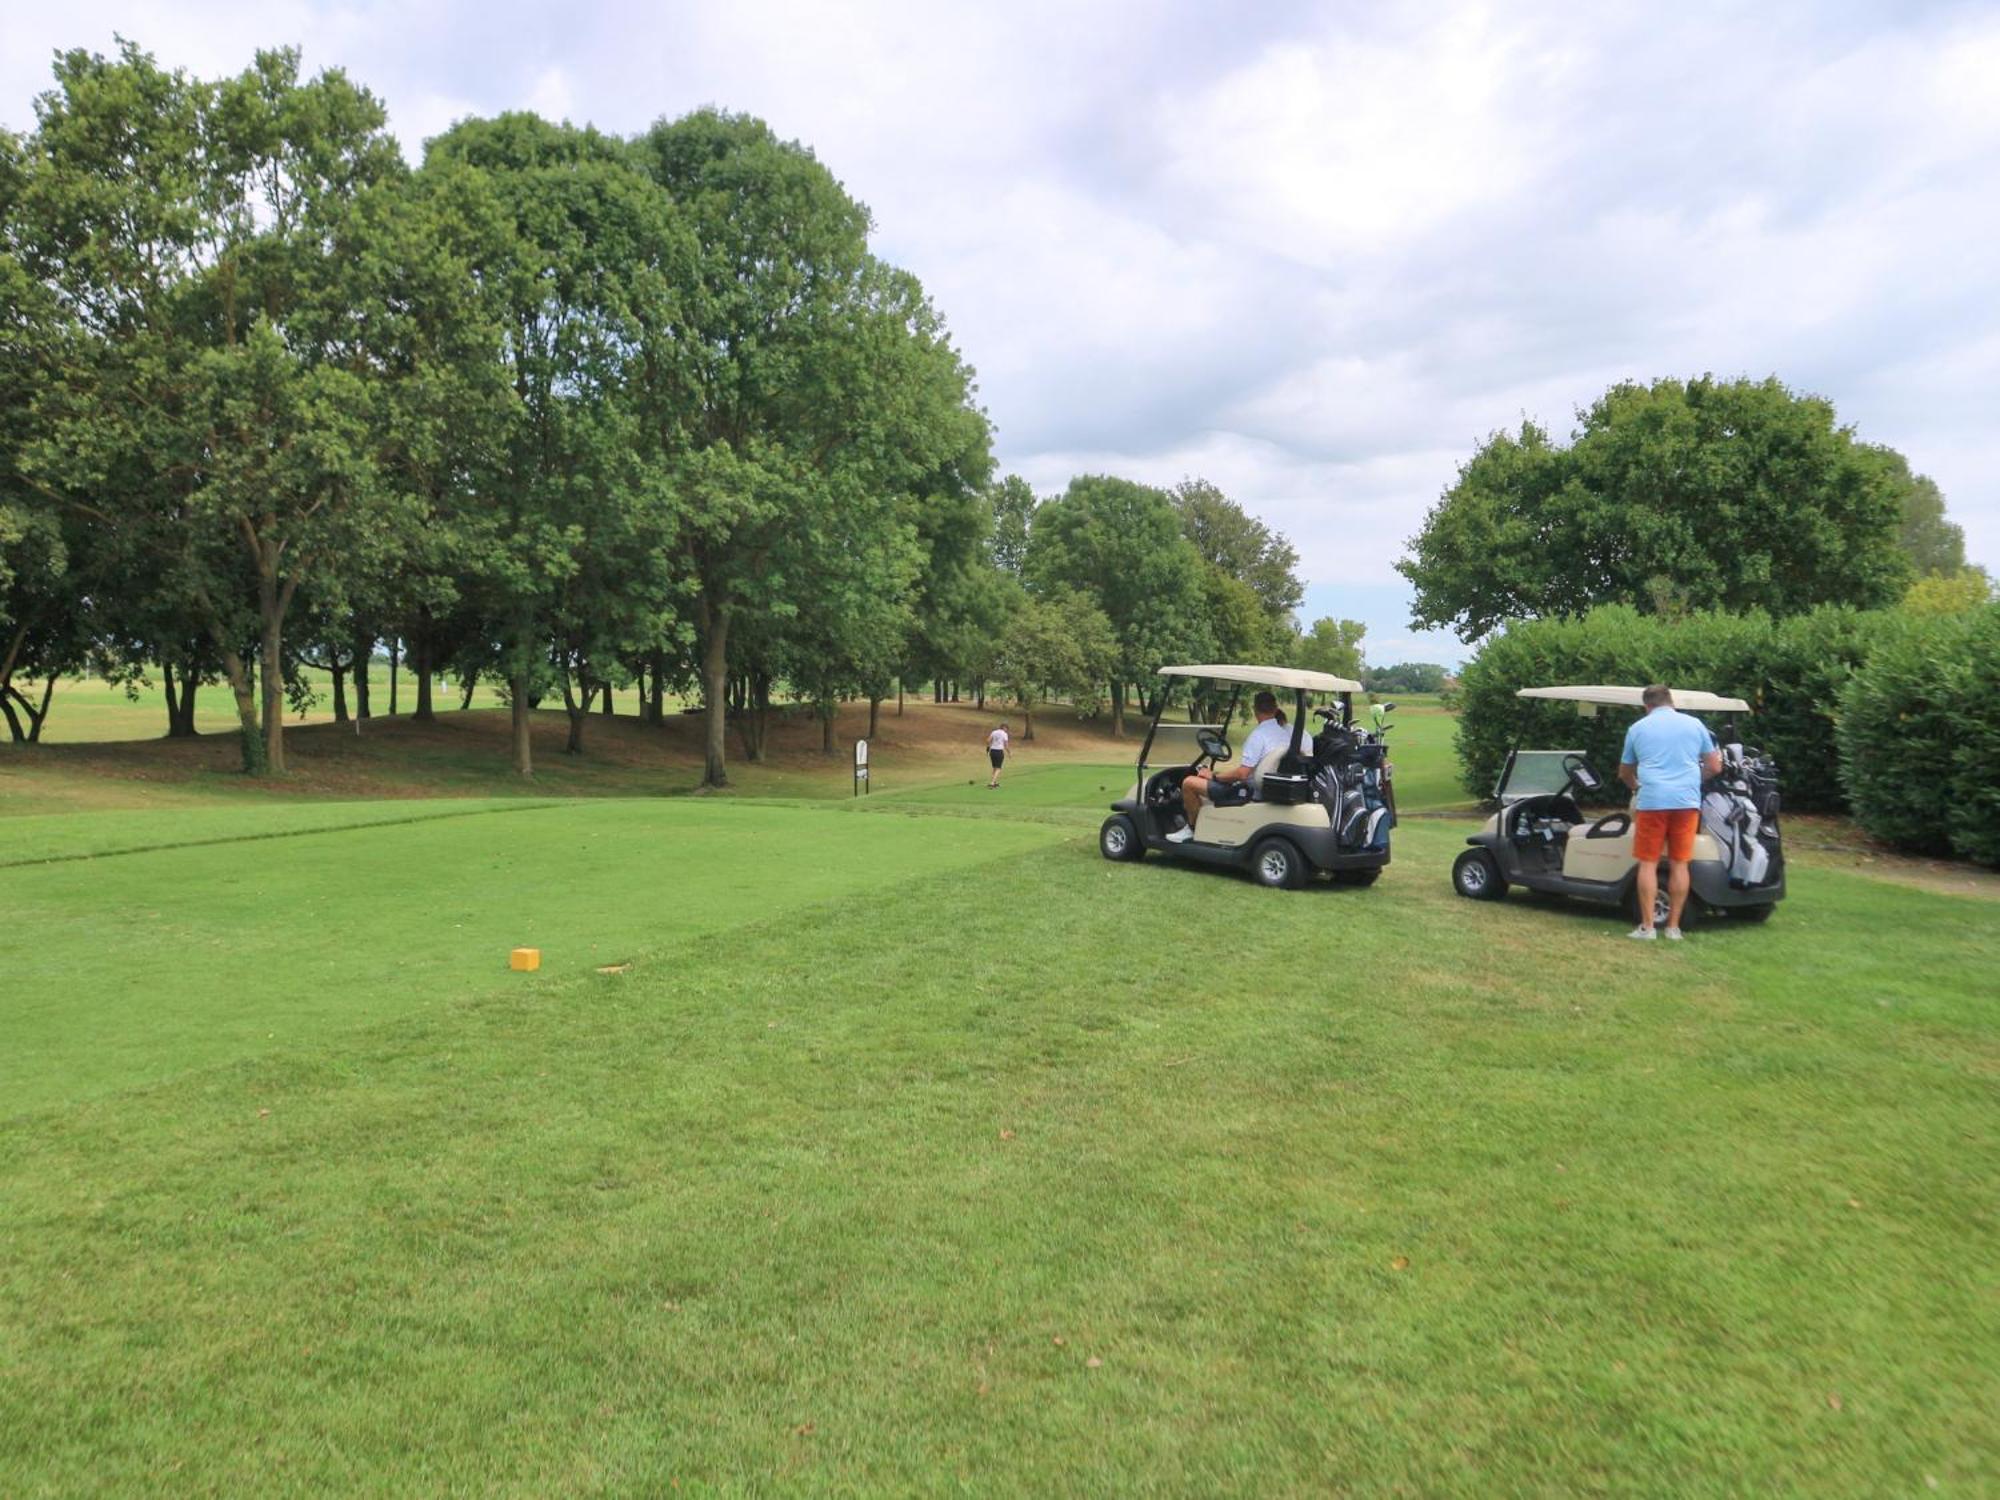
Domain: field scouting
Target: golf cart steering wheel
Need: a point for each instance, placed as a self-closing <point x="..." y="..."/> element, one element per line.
<point x="1577" y="769"/>
<point x="1213" y="745"/>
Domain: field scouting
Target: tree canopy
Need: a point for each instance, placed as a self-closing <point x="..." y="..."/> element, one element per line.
<point x="1679" y="495"/>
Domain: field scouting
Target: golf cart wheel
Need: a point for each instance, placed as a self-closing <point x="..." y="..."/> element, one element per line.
<point x="1691" y="911"/>
<point x="1752" y="913"/>
<point x="1357" y="877"/>
<point x="1119" y="839"/>
<point x="1276" y="863"/>
<point x="1476" y="876"/>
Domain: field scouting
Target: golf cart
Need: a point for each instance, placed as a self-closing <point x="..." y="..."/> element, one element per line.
<point x="1543" y="839"/>
<point x="1319" y="803"/>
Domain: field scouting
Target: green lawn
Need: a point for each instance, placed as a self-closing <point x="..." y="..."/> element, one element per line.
<point x="919" y="1149"/>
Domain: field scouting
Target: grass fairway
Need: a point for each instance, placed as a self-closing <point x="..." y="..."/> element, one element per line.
<point x="920" y="1149"/>
<point x="131" y="968"/>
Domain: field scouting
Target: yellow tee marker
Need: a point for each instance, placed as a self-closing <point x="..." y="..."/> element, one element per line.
<point x="525" y="960"/>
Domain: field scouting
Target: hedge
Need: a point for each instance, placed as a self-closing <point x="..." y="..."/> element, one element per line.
<point x="1791" y="671"/>
<point x="1920" y="736"/>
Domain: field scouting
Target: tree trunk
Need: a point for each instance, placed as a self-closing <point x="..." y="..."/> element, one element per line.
<point x="609" y="711"/>
<point x="899" y="697"/>
<point x="466" y="689"/>
<point x="874" y="715"/>
<point x="1027" y="721"/>
<point x="245" y="694"/>
<point x="656" y="689"/>
<point x="364" y="656"/>
<point x="420" y="658"/>
<point x="395" y="647"/>
<point x="524" y="749"/>
<point x="1117" y="710"/>
<point x="41" y="715"/>
<point x="715" y="689"/>
<point x="180" y="706"/>
<point x="979" y="690"/>
<point x="576" y="710"/>
<point x="272" y="597"/>
<point x="826" y="729"/>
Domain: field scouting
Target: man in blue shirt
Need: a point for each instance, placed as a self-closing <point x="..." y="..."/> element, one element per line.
<point x="1666" y="755"/>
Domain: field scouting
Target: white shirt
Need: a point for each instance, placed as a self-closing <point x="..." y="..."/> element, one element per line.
<point x="997" y="740"/>
<point x="1266" y="737"/>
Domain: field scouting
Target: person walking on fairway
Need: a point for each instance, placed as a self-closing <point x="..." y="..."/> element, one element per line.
<point x="1666" y="755"/>
<point x="996" y="751"/>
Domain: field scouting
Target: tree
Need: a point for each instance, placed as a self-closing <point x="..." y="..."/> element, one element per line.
<point x="569" y="520"/>
<point x="217" y="403"/>
<point x="1968" y="588"/>
<point x="1240" y="546"/>
<point x="1330" y="646"/>
<point x="1405" y="677"/>
<point x="1119" y="544"/>
<point x="1013" y="506"/>
<point x="818" y="398"/>
<point x="1702" y="494"/>
<point x="1935" y="546"/>
<point x="1059" y="647"/>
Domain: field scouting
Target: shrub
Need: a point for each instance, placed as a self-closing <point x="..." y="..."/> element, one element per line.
<point x="1920" y="736"/>
<point x="1791" y="672"/>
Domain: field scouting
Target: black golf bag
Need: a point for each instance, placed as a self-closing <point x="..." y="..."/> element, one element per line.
<point x="1348" y="781"/>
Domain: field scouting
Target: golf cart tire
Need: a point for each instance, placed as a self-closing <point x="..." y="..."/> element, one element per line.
<point x="1752" y="913"/>
<point x="1357" y="877"/>
<point x="1278" y="864"/>
<point x="1476" y="876"/>
<point x="1692" y="912"/>
<point x="1119" y="839"/>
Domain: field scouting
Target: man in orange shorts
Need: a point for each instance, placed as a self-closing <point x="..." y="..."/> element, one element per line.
<point x="1666" y="755"/>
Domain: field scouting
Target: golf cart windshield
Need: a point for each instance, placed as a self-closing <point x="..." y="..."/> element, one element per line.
<point x="1533" y="773"/>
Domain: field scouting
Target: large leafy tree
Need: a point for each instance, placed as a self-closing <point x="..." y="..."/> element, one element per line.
<point x="1239" y="546"/>
<point x="1013" y="508"/>
<point x="1680" y="495"/>
<point x="1119" y="544"/>
<point x="1058" y="647"/>
<point x="220" y="408"/>
<point x="1330" y="645"/>
<point x="817" y="400"/>
<point x="567" y="526"/>
<point x="1936" y="546"/>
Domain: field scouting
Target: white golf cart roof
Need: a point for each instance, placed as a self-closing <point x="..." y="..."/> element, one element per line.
<point x="1630" y="697"/>
<point x="1285" y="677"/>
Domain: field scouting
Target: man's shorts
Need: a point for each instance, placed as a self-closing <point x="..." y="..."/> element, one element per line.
<point x="1674" y="827"/>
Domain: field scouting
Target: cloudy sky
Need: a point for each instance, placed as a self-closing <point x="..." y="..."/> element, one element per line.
<point x="1313" y="253"/>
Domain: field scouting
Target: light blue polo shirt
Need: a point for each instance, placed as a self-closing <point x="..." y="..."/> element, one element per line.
<point x="1667" y="746"/>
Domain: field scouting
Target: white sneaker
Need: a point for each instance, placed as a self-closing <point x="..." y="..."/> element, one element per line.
<point x="1673" y="934"/>
<point x="1180" y="835"/>
<point x="1643" y="934"/>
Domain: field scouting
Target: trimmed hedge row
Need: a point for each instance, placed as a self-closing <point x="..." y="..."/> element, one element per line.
<point x="1791" y="671"/>
<point x="1920" y="736"/>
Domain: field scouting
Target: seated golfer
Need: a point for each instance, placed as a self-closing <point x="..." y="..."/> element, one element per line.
<point x="1666" y="755"/>
<point x="1270" y="734"/>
